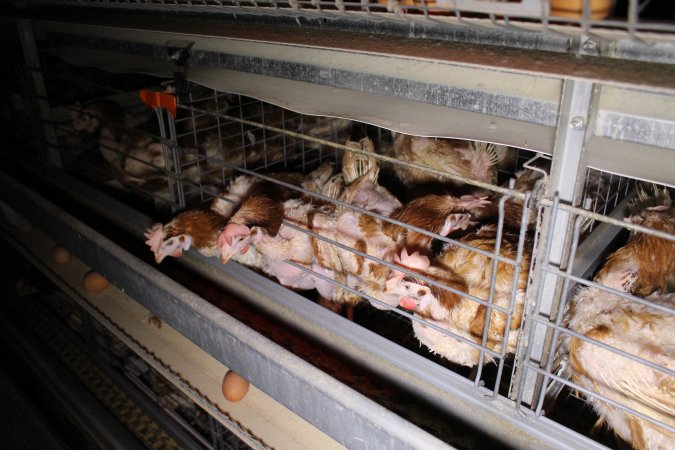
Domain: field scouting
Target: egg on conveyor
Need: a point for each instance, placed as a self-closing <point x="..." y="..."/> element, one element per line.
<point x="60" y="255"/>
<point x="94" y="282"/>
<point x="235" y="387"/>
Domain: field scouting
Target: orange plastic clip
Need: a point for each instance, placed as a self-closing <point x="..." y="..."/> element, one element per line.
<point x="156" y="99"/>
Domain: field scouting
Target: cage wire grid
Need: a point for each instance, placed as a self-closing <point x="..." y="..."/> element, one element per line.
<point x="554" y="372"/>
<point x="612" y="28"/>
<point x="312" y="153"/>
<point x="235" y="125"/>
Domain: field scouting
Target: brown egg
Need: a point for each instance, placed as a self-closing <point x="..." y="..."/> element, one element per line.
<point x="234" y="386"/>
<point x="94" y="282"/>
<point x="574" y="8"/>
<point x="60" y="255"/>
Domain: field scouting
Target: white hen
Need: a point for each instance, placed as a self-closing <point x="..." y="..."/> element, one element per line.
<point x="639" y="330"/>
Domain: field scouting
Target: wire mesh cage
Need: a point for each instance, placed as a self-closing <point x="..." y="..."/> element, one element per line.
<point x="620" y="319"/>
<point x="630" y="29"/>
<point x="435" y="244"/>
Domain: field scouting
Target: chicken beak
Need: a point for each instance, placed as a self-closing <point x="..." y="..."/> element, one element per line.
<point x="226" y="253"/>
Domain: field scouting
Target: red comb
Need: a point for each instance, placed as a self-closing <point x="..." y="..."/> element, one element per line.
<point x="413" y="261"/>
<point x="155" y="236"/>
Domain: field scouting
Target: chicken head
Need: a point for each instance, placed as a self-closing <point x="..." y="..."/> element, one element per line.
<point x="461" y="221"/>
<point x="163" y="246"/>
<point x="236" y="238"/>
<point x="84" y="119"/>
<point x="410" y="292"/>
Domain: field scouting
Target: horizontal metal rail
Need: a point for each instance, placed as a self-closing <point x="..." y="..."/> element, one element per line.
<point x="609" y="220"/>
<point x="593" y="394"/>
<point x="383" y="12"/>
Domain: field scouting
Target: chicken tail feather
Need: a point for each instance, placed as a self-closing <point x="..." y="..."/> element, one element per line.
<point x="356" y="165"/>
<point x="491" y="153"/>
<point x="656" y="200"/>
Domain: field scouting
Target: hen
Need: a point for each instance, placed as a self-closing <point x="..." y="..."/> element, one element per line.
<point x="644" y="267"/>
<point x="652" y="259"/>
<point x="442" y="308"/>
<point x="200" y="228"/>
<point x="640" y="330"/>
<point x="468" y="159"/>
<point x="440" y="214"/>
<point x="470" y="272"/>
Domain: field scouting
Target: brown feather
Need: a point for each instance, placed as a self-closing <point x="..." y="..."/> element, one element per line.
<point x="263" y="206"/>
<point x="203" y="225"/>
<point x="260" y="211"/>
<point x="429" y="213"/>
<point x="650" y="257"/>
<point x="478" y="323"/>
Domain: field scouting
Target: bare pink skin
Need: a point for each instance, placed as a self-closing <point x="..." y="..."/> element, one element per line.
<point x="226" y="241"/>
<point x="408" y="303"/>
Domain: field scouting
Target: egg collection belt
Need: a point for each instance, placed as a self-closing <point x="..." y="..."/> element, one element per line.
<point x="95" y="379"/>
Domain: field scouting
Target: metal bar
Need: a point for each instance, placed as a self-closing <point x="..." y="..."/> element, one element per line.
<point x="566" y="184"/>
<point x="33" y="64"/>
<point x="560" y="313"/>
<point x="490" y="300"/>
